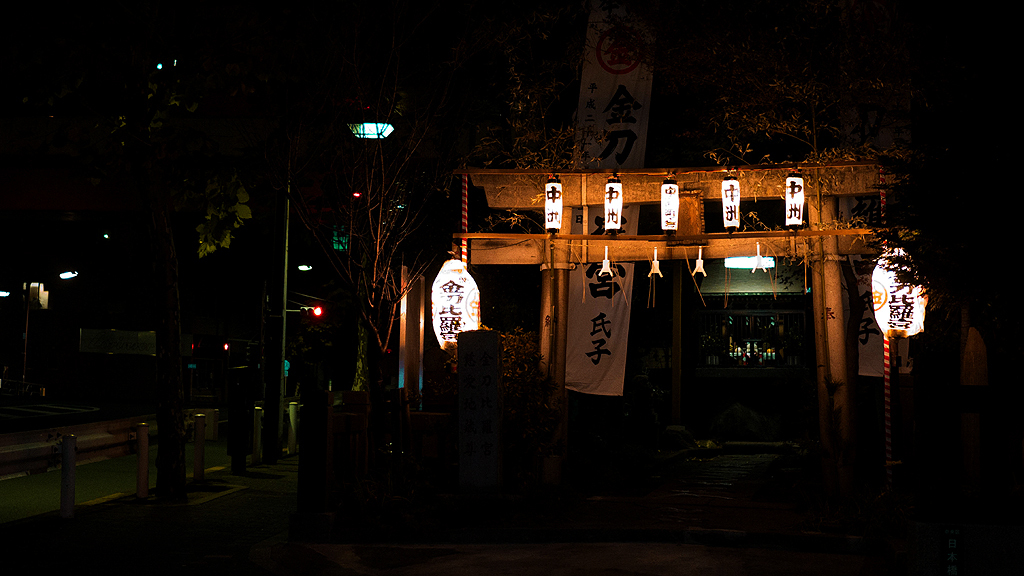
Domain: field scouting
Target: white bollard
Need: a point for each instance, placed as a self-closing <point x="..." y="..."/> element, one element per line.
<point x="257" y="436"/>
<point x="142" y="474"/>
<point x="68" y="447"/>
<point x="213" y="430"/>
<point x="293" y="426"/>
<point x="198" y="450"/>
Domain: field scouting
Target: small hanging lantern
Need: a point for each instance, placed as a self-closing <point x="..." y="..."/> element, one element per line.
<point x="613" y="205"/>
<point x="731" y="202"/>
<point x="553" y="204"/>
<point x="669" y="205"/>
<point x="794" y="199"/>
<point x="899" y="308"/>
<point x="454" y="302"/>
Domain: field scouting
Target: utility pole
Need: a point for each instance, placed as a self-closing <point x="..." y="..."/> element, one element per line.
<point x="277" y="303"/>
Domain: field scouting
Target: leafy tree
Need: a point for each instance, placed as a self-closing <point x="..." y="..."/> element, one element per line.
<point x="536" y="69"/>
<point x="953" y="236"/>
<point x="122" y="86"/>
<point x="756" y="81"/>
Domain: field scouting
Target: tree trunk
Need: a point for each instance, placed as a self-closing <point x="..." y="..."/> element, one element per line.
<point x="170" y="461"/>
<point x="361" y="377"/>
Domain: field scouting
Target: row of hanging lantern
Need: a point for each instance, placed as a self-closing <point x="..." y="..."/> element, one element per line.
<point x="794" y="198"/>
<point x="793" y="193"/>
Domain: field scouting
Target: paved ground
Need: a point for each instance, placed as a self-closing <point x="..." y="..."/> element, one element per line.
<point x="239" y="524"/>
<point x="606" y="558"/>
<point x="708" y="514"/>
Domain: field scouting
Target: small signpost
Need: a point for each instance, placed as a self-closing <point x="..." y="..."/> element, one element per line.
<point x="479" y="365"/>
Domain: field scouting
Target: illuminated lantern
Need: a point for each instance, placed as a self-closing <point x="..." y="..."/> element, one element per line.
<point x="454" y="302"/>
<point x="731" y="202"/>
<point x="613" y="205"/>
<point x="794" y="199"/>
<point x="669" y="205"/>
<point x="553" y="204"/>
<point x="899" y="308"/>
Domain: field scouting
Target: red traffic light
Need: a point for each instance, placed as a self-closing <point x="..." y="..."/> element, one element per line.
<point x="312" y="311"/>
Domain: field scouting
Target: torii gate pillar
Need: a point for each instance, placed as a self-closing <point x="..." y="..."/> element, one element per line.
<point x="554" y="314"/>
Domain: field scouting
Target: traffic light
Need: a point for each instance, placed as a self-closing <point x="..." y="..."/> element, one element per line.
<point x="312" y="312"/>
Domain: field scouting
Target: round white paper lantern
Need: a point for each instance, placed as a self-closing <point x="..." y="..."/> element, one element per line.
<point x="454" y="302"/>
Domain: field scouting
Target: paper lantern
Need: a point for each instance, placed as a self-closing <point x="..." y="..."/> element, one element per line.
<point x="731" y="202"/>
<point x="613" y="205"/>
<point x="899" y="308"/>
<point x="454" y="302"/>
<point x="669" y="205"/>
<point x="794" y="200"/>
<point x="553" y="204"/>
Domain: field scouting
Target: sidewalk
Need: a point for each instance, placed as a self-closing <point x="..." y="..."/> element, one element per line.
<point x="707" y="521"/>
<point x="226" y="516"/>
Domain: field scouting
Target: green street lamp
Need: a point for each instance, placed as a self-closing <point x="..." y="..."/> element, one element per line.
<point x="374" y="130"/>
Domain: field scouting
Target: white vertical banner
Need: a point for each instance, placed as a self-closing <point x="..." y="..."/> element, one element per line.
<point x="598" y="330"/>
<point x="615" y="91"/>
<point x="615" y="95"/>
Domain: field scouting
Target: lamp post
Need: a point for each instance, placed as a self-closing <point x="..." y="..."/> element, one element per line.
<point x="277" y="305"/>
<point x="274" y="339"/>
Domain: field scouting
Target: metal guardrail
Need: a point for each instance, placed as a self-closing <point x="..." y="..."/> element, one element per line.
<point x="35" y="451"/>
<point x="19" y="388"/>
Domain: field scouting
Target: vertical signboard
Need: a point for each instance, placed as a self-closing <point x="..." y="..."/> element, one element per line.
<point x="479" y="365"/>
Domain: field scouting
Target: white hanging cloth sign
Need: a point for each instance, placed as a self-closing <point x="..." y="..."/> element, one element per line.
<point x="598" y="329"/>
<point x="454" y="302"/>
<point x="615" y="91"/>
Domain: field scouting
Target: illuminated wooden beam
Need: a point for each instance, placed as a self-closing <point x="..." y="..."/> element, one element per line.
<point x="492" y="248"/>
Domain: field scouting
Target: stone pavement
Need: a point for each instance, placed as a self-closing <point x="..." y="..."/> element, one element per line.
<point x="708" y="520"/>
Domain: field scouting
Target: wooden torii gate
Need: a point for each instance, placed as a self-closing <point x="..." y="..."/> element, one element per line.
<point x="824" y="242"/>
